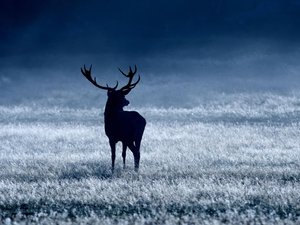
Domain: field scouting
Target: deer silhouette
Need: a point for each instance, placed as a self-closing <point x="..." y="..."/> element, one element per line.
<point x="125" y="126"/>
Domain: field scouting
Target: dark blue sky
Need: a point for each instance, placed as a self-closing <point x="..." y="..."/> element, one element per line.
<point x="142" y="29"/>
<point x="184" y="46"/>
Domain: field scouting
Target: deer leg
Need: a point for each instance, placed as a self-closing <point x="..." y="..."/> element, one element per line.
<point x="136" y="160"/>
<point x="113" y="154"/>
<point x="124" y="154"/>
<point x="136" y="155"/>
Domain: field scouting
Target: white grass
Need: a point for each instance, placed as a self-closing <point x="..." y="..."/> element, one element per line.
<point x="233" y="162"/>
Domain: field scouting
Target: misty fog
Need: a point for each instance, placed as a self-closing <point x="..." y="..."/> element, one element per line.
<point x="187" y="54"/>
<point x="182" y="78"/>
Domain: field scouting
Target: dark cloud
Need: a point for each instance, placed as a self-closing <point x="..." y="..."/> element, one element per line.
<point x="120" y="29"/>
<point x="183" y="49"/>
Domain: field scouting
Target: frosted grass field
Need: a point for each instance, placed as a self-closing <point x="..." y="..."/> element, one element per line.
<point x="235" y="160"/>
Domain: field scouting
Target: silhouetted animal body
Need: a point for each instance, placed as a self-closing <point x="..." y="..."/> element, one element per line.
<point x="125" y="126"/>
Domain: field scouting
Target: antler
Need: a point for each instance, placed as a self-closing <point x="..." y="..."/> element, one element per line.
<point x="127" y="88"/>
<point x="88" y="75"/>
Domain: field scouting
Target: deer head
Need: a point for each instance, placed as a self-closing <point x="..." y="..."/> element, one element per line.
<point x="116" y="98"/>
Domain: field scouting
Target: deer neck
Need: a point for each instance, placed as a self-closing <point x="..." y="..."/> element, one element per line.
<point x="112" y="111"/>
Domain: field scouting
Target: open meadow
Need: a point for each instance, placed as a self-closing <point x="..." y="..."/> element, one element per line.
<point x="232" y="160"/>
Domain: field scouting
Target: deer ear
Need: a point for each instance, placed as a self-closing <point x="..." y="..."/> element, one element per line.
<point x="125" y="92"/>
<point x="109" y="92"/>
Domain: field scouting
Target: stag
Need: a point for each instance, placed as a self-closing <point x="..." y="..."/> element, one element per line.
<point x="125" y="126"/>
